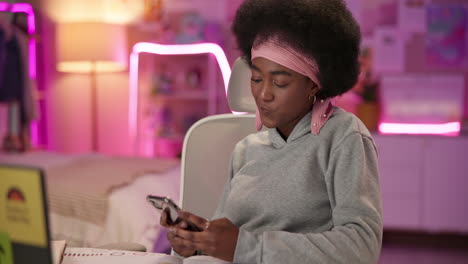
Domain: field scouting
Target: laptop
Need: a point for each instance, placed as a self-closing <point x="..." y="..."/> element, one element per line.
<point x="24" y="228"/>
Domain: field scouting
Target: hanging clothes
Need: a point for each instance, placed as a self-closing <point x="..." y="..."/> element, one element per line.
<point x="11" y="83"/>
<point x="17" y="89"/>
<point x="3" y="40"/>
<point x="15" y="83"/>
<point x="30" y="102"/>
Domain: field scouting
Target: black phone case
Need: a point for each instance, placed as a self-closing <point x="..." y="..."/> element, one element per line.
<point x="191" y="226"/>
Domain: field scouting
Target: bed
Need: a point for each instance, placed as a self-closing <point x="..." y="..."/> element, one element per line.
<point x="96" y="199"/>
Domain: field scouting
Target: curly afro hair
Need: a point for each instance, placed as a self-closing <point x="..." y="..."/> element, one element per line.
<point x="324" y="30"/>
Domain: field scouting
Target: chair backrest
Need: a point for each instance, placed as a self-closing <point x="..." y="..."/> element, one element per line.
<point x="209" y="143"/>
<point x="239" y="95"/>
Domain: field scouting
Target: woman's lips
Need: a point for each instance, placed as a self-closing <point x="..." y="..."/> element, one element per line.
<point x="264" y="110"/>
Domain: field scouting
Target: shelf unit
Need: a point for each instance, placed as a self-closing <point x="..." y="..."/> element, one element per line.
<point x="173" y="91"/>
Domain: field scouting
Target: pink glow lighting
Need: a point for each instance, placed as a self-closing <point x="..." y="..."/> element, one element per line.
<point x="26" y="8"/>
<point x="29" y="11"/>
<point x="448" y="129"/>
<point x="32" y="58"/>
<point x="153" y="48"/>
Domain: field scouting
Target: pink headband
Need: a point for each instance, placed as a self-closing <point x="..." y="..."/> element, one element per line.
<point x="277" y="51"/>
<point x="285" y="55"/>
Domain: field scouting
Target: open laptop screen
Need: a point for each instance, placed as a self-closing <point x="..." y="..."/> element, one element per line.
<point x="24" y="234"/>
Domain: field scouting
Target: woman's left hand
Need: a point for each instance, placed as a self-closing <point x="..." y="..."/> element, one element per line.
<point x="218" y="239"/>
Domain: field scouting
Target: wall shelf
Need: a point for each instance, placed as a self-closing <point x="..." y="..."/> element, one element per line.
<point x="167" y="97"/>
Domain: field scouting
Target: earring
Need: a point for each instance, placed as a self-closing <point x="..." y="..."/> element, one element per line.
<point x="315" y="99"/>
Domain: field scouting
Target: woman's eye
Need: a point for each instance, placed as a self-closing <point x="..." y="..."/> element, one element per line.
<point x="281" y="85"/>
<point x="255" y="80"/>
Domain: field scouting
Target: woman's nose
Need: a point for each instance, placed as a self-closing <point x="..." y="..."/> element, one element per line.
<point x="266" y="93"/>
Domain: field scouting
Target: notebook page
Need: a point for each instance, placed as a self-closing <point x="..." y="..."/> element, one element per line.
<point x="107" y="256"/>
<point x="204" y="260"/>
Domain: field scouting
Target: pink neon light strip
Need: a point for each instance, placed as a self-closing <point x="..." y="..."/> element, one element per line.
<point x="153" y="48"/>
<point x="450" y="129"/>
<point x="27" y="8"/>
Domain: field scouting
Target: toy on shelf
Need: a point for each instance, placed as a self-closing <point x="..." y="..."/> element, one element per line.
<point x="193" y="78"/>
<point x="162" y="83"/>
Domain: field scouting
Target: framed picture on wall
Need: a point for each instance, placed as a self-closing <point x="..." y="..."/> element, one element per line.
<point x="389" y="50"/>
<point x="412" y="16"/>
<point x="446" y="41"/>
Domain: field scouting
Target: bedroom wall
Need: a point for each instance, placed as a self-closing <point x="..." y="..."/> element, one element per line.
<point x="68" y="105"/>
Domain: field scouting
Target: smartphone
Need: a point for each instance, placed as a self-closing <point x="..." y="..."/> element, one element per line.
<point x="162" y="203"/>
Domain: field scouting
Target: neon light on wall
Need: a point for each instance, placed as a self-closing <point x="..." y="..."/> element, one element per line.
<point x="31" y="20"/>
<point x="448" y="129"/>
<point x="153" y="48"/>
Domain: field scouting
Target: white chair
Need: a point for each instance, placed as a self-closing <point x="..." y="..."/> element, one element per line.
<point x="209" y="143"/>
<point x="207" y="151"/>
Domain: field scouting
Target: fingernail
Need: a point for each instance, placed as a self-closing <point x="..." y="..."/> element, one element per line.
<point x="171" y="230"/>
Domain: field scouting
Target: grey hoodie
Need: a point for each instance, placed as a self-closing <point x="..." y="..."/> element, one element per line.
<point x="310" y="199"/>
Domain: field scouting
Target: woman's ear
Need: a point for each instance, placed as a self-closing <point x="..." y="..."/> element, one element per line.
<point x="314" y="89"/>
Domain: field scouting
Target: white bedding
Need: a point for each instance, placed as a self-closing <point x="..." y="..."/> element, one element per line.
<point x="129" y="218"/>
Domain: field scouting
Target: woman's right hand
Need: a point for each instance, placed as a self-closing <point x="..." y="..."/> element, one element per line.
<point x="173" y="239"/>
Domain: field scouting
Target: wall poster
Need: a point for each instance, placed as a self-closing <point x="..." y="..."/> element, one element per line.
<point x="446" y="44"/>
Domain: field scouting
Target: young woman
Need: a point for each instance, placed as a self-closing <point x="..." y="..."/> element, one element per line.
<point x="306" y="190"/>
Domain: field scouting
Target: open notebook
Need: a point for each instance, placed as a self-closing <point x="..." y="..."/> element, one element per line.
<point x="106" y="256"/>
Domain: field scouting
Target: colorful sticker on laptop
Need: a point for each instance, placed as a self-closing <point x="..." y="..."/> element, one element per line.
<point x="22" y="212"/>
